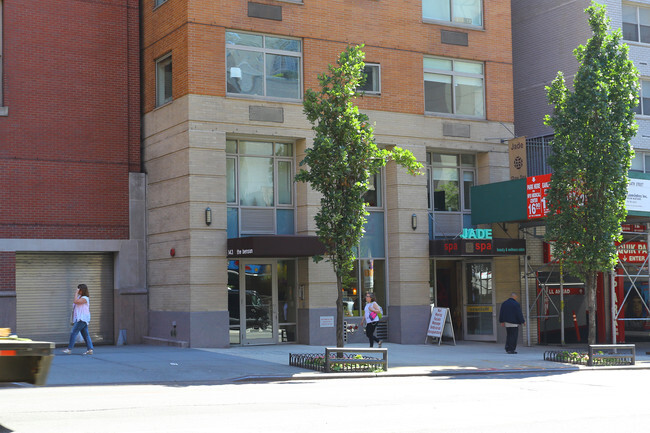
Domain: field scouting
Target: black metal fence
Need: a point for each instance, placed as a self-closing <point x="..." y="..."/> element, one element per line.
<point x="349" y="363"/>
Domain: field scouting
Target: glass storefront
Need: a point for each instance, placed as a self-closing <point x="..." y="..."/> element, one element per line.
<point x="262" y="301"/>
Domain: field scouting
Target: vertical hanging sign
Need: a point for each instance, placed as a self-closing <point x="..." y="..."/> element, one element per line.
<point x="536" y="189"/>
<point x="517" y="152"/>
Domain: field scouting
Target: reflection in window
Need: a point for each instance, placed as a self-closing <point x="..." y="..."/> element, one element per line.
<point x="372" y="85"/>
<point x="261" y="65"/>
<point x="636" y="23"/>
<point x="259" y="187"/>
<point x="453" y="87"/>
<point x="468" y="12"/>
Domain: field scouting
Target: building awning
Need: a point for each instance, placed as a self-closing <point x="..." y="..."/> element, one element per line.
<point x="274" y="246"/>
<point x="511" y="201"/>
<point x="477" y="247"/>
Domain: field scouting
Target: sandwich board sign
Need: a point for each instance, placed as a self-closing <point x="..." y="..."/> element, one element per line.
<point x="440" y="325"/>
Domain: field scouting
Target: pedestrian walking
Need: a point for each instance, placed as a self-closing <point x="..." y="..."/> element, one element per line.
<point x="80" y="319"/>
<point x="371" y="316"/>
<point x="511" y="317"/>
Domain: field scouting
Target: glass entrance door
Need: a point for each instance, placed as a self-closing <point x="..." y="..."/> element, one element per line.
<point x="262" y="301"/>
<point x="480" y="318"/>
<point x="258" y="302"/>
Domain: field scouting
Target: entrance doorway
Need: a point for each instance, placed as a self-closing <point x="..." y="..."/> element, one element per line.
<point x="448" y="293"/>
<point x="480" y="315"/>
<point x="261" y="301"/>
<point x="467" y="289"/>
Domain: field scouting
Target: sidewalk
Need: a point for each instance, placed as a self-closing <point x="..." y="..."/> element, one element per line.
<point x="162" y="364"/>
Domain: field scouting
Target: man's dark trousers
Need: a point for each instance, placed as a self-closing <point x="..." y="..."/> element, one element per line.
<point x="511" y="338"/>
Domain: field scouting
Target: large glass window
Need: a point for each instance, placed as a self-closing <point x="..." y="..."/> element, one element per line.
<point x="264" y="66"/>
<point x="468" y="12"/>
<point x="453" y="87"/>
<point x="369" y="274"/>
<point x="450" y="178"/>
<point x="164" y="80"/>
<point x="636" y="23"/>
<point x="259" y="187"/>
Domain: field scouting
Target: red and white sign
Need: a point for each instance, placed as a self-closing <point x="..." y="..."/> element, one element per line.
<point x="437" y="323"/>
<point x="536" y="189"/>
<point x="633" y="252"/>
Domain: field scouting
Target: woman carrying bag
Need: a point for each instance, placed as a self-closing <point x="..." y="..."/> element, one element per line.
<point x="371" y="316"/>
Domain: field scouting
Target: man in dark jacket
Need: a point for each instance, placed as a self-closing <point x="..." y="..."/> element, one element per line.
<point x="511" y="317"/>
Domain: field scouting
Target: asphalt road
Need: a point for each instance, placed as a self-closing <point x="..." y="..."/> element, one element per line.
<point x="594" y="401"/>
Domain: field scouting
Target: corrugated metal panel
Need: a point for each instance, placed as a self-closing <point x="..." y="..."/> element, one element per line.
<point x="257" y="220"/>
<point x="45" y="285"/>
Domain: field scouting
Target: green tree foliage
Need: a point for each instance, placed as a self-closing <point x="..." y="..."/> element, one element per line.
<point x="343" y="157"/>
<point x="591" y="155"/>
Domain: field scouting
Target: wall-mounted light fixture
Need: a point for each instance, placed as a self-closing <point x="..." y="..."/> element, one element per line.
<point x="208" y="216"/>
<point x="414" y="221"/>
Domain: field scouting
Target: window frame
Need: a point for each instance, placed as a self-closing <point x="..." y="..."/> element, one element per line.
<point x="637" y="10"/>
<point x="644" y="158"/>
<point x="639" y="108"/>
<point x="158" y="3"/>
<point x="454" y="74"/>
<point x="277" y="160"/>
<point x="451" y="20"/>
<point x="264" y="51"/>
<point x="464" y="204"/>
<point x="160" y="84"/>
<point x="378" y="81"/>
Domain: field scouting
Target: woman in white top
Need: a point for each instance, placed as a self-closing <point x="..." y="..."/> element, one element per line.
<point x="371" y="322"/>
<point x="80" y="318"/>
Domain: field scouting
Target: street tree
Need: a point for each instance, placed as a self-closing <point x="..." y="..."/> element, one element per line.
<point x="343" y="157"/>
<point x="591" y="156"/>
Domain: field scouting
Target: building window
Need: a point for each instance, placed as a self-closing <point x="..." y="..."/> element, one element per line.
<point x="636" y="23"/>
<point x="157" y="3"/>
<point x="263" y="66"/>
<point x="450" y="178"/>
<point x="454" y="87"/>
<point x="469" y="12"/>
<point x="641" y="162"/>
<point x="644" y="98"/>
<point x="259" y="180"/>
<point x="369" y="274"/>
<point x="372" y="85"/>
<point x="163" y="80"/>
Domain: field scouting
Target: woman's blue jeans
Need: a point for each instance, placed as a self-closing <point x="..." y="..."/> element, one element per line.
<point x="80" y="326"/>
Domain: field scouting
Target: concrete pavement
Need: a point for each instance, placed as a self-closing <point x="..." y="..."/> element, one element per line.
<point x="139" y="364"/>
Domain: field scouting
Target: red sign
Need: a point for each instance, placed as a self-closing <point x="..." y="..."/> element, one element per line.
<point x="566" y="290"/>
<point x="633" y="252"/>
<point x="536" y="189"/>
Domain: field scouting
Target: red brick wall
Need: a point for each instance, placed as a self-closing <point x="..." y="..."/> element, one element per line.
<point x="7" y="271"/>
<point x="392" y="30"/>
<point x="71" y="86"/>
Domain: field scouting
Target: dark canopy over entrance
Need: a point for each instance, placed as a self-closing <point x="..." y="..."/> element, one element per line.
<point x="274" y="246"/>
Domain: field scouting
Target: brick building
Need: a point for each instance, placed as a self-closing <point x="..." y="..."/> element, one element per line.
<point x="229" y="232"/>
<point x="72" y="188"/>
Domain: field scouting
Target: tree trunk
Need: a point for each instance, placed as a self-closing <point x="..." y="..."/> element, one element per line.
<point x="339" y="312"/>
<point x="590" y="284"/>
